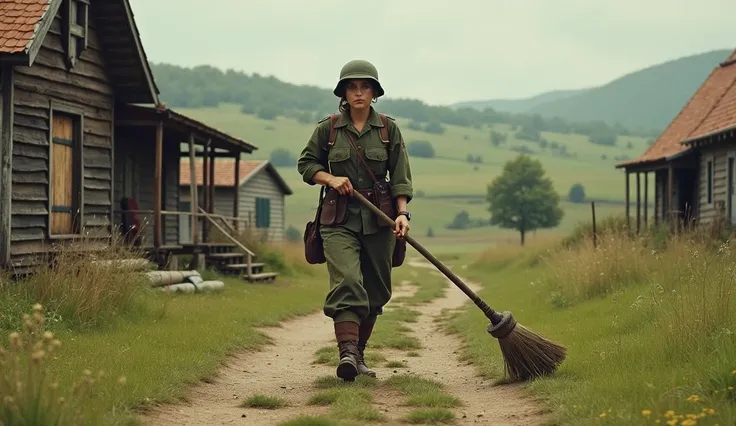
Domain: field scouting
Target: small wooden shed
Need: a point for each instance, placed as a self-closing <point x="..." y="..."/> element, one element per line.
<point x="257" y="195"/>
<point x="693" y="159"/>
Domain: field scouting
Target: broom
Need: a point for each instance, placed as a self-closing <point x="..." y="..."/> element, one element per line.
<point x="526" y="354"/>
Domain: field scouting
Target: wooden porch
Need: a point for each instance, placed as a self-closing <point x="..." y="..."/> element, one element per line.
<point x="147" y="191"/>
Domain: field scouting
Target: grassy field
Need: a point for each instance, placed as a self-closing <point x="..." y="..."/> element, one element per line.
<point x="449" y="184"/>
<point x="648" y="327"/>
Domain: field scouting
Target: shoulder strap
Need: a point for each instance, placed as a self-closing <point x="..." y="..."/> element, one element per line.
<point x="384" y="129"/>
<point x="351" y="139"/>
<point x="333" y="131"/>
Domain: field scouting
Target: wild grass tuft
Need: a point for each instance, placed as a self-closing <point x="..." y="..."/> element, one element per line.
<point x="80" y="287"/>
<point x="30" y="391"/>
<point x="264" y="401"/>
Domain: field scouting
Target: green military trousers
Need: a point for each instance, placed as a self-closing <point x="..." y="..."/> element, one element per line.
<point x="360" y="272"/>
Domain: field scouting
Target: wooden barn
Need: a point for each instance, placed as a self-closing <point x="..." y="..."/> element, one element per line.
<point x="692" y="161"/>
<point x="252" y="191"/>
<point x="83" y="133"/>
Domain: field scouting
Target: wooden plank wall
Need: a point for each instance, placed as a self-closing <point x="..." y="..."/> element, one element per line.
<point x="87" y="87"/>
<point x="719" y="155"/>
<point x="262" y="185"/>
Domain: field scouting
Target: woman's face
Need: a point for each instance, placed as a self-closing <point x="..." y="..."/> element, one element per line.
<point x="359" y="93"/>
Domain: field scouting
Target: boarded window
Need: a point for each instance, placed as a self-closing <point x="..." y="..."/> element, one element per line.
<point x="263" y="213"/>
<point x="64" y="183"/>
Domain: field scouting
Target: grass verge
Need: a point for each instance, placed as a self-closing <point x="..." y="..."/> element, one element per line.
<point x="158" y="343"/>
<point x="649" y="331"/>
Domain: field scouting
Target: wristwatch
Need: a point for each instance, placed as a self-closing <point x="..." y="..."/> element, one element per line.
<point x="405" y="213"/>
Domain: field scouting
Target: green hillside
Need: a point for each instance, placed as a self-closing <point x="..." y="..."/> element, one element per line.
<point x="648" y="98"/>
<point x="521" y="105"/>
<point x="448" y="183"/>
<point x="467" y="149"/>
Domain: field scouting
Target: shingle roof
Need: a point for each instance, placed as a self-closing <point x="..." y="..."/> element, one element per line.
<point x="224" y="171"/>
<point x="723" y="115"/>
<point x="706" y="109"/>
<point x="19" y="23"/>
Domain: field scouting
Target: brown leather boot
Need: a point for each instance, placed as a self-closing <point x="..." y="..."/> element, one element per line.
<point x="346" y="334"/>
<point x="364" y="333"/>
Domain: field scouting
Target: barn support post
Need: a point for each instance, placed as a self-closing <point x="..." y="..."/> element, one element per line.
<point x="236" y="194"/>
<point x="211" y="201"/>
<point x="638" y="203"/>
<point x="670" y="187"/>
<point x="157" y="185"/>
<point x="627" y="200"/>
<point x="193" y="189"/>
<point x="205" y="188"/>
<point x="646" y="200"/>
<point x="6" y="161"/>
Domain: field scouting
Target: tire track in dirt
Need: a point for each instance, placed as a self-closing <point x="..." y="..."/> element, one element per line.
<point x="284" y="369"/>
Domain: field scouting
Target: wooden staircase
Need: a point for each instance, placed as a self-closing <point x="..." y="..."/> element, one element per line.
<point x="224" y="258"/>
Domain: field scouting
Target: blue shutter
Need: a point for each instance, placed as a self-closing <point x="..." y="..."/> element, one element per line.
<point x="263" y="213"/>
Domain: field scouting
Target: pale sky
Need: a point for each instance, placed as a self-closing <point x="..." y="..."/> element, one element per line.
<point x="437" y="51"/>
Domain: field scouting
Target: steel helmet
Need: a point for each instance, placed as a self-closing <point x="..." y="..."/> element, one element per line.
<point x="358" y="68"/>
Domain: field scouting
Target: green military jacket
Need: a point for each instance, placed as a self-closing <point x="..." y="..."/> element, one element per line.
<point x="341" y="160"/>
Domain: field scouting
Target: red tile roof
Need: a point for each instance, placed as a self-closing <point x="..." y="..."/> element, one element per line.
<point x="224" y="171"/>
<point x="707" y="109"/>
<point x="19" y="21"/>
<point x="723" y="115"/>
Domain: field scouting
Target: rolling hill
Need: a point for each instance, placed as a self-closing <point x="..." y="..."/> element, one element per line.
<point x="645" y="99"/>
<point x="518" y="106"/>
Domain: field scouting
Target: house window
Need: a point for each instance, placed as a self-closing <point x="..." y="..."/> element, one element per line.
<point x="76" y="18"/>
<point x="263" y="212"/>
<point x="65" y="174"/>
<point x="709" y="181"/>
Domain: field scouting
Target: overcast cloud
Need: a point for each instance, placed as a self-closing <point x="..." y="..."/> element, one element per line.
<point x="437" y="51"/>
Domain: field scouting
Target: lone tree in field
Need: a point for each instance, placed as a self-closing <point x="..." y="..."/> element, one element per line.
<point x="522" y="198"/>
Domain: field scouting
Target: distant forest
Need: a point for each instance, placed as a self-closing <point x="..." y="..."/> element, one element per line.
<point x="269" y="97"/>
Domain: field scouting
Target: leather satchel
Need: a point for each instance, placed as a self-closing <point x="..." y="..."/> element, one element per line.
<point x="314" y="251"/>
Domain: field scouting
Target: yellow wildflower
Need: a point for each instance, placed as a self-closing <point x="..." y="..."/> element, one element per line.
<point x="689" y="422"/>
<point x="603" y="414"/>
<point x="709" y="411"/>
<point x="669" y="413"/>
<point x="646" y="412"/>
<point x="693" y="398"/>
<point x="733" y="372"/>
<point x="672" y="422"/>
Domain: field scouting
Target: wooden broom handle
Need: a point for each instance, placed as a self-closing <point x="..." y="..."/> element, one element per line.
<point x="487" y="310"/>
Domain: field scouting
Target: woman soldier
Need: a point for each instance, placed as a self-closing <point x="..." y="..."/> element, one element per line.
<point x="358" y="248"/>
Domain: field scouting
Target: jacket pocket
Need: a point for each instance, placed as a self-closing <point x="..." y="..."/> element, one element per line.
<point x="377" y="158"/>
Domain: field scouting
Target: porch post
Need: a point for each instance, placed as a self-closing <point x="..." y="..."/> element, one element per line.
<point x="157" y="185"/>
<point x="236" y="196"/>
<point x="670" y="186"/>
<point x="205" y="188"/>
<point x="193" y="189"/>
<point x="638" y="203"/>
<point x="211" y="202"/>
<point x="646" y="200"/>
<point x="627" y="199"/>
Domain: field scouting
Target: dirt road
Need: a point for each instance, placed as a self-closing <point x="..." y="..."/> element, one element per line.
<point x="285" y="370"/>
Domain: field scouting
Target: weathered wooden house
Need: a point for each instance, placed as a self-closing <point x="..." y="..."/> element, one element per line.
<point x="252" y="191"/>
<point x="693" y="159"/>
<point x="82" y="127"/>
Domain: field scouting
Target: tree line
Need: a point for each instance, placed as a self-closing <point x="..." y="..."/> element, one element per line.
<point x="269" y="97"/>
